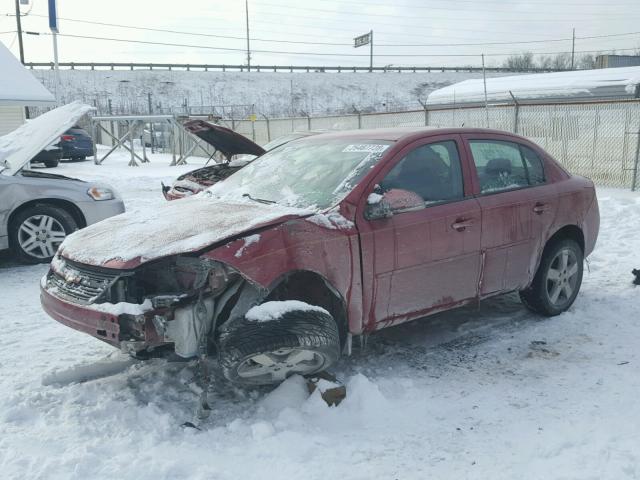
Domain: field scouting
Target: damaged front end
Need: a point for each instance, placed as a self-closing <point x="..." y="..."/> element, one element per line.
<point x="198" y="180"/>
<point x="178" y="300"/>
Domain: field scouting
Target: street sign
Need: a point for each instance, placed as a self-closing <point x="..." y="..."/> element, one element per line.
<point x="362" y="40"/>
<point x="53" y="16"/>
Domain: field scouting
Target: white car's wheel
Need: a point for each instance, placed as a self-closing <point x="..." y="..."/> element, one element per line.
<point x="37" y="232"/>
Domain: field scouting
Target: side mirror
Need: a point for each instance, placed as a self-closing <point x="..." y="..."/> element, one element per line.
<point x="393" y="201"/>
<point x="377" y="208"/>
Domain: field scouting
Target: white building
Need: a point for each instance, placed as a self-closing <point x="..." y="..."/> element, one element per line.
<point x="18" y="89"/>
<point x="579" y="85"/>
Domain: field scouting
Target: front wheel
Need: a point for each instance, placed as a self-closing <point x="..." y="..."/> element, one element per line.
<point x="557" y="281"/>
<point x="299" y="342"/>
<point x="37" y="232"/>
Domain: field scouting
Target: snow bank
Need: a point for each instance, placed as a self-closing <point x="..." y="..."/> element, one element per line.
<point x="273" y="310"/>
<point x="606" y="82"/>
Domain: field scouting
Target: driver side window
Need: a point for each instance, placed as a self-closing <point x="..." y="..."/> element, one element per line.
<point x="432" y="171"/>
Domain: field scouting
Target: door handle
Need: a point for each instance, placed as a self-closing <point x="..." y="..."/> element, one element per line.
<point x="540" y="208"/>
<point x="462" y="224"/>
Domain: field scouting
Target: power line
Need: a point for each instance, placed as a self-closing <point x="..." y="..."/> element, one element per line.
<point x="280" y="23"/>
<point x="475" y="2"/>
<point x="457" y="12"/>
<point x="206" y="47"/>
<point x="463" y="44"/>
<point x="181" y="32"/>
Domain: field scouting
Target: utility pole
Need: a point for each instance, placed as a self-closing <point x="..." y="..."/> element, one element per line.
<point x="19" y="24"/>
<point x="370" y="51"/>
<point x="246" y="9"/>
<point x="573" y="48"/>
<point x="484" y="81"/>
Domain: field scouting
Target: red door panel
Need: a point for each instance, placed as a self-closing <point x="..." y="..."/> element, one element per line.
<point x="435" y="264"/>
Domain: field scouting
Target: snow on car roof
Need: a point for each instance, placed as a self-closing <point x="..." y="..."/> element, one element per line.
<point x="17" y="85"/>
<point x="601" y="83"/>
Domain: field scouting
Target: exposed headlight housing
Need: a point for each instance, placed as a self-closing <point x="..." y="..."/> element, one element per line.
<point x="100" y="193"/>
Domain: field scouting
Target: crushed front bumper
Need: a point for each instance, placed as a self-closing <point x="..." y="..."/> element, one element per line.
<point x="120" y="331"/>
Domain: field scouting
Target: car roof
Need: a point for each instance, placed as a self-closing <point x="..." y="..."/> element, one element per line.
<point x="404" y="133"/>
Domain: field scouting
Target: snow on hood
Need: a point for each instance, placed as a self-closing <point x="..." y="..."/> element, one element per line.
<point x="20" y="146"/>
<point x="189" y="225"/>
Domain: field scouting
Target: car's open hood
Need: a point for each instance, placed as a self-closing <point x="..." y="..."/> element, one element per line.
<point x="190" y="225"/>
<point x="20" y="146"/>
<point x="223" y="139"/>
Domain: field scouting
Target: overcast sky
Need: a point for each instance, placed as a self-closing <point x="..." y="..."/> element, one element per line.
<point x="271" y="22"/>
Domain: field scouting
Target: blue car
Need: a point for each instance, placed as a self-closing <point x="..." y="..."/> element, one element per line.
<point x="76" y="144"/>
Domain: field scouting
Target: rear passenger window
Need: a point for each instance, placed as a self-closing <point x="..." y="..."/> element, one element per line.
<point x="505" y="165"/>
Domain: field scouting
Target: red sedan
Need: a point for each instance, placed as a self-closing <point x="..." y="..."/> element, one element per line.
<point x="333" y="236"/>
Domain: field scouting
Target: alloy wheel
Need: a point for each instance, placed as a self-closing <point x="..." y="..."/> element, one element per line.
<point x="280" y="364"/>
<point x="562" y="277"/>
<point x="40" y="236"/>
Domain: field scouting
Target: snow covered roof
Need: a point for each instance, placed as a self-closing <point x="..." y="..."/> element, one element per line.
<point x="574" y="85"/>
<point x="17" y="85"/>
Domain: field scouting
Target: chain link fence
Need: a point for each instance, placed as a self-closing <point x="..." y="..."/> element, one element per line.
<point x="599" y="140"/>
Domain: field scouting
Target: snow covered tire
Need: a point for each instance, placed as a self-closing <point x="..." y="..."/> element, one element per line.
<point x="560" y="270"/>
<point x="310" y="336"/>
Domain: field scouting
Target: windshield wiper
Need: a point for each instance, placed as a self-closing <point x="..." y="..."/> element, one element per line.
<point x="259" y="200"/>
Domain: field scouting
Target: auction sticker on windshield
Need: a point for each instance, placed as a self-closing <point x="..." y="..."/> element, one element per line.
<point x="365" y="148"/>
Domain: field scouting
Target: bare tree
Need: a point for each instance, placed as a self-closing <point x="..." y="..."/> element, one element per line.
<point x="587" y="61"/>
<point x="562" y="61"/>
<point x="523" y="61"/>
<point x="545" y="62"/>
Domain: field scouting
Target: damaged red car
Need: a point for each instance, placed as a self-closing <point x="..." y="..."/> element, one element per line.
<point x="228" y="143"/>
<point x="277" y="268"/>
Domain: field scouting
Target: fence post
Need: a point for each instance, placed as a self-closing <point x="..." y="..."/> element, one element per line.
<point x="516" y="112"/>
<point x="266" y="119"/>
<point x="635" y="163"/>
<point x="426" y="113"/>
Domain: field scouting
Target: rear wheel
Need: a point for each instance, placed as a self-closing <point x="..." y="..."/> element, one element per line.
<point x="262" y="353"/>
<point x="37" y="232"/>
<point x="51" y="163"/>
<point x="557" y="281"/>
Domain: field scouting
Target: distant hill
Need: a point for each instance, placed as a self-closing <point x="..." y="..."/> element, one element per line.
<point x="234" y="93"/>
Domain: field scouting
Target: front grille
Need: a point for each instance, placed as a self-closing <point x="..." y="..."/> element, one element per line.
<point x="80" y="284"/>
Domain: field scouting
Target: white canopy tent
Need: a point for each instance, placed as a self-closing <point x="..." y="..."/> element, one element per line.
<point x="18" y="89"/>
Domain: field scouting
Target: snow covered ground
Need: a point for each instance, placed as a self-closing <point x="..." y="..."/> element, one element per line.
<point x="496" y="393"/>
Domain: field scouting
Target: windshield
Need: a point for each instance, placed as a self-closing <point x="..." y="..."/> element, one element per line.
<point x="305" y="174"/>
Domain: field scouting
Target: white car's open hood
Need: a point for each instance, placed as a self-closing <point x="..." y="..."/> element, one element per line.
<point x="20" y="146"/>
